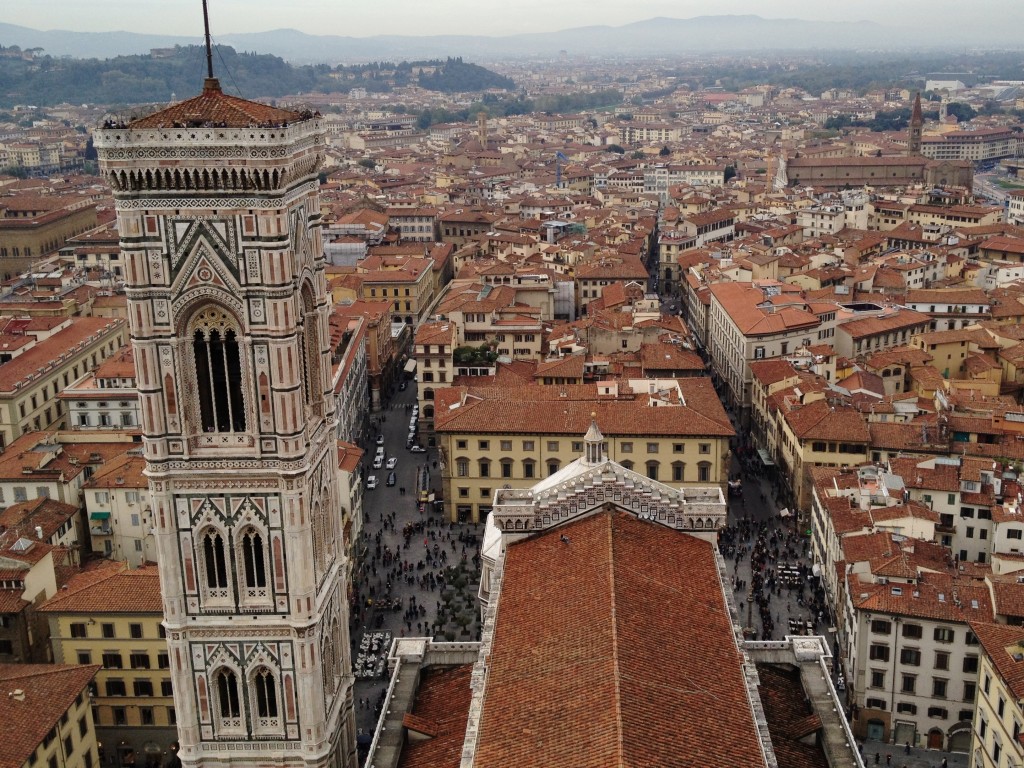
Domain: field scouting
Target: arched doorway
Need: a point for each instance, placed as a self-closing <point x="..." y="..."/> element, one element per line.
<point x="935" y="739"/>
<point x="960" y="737"/>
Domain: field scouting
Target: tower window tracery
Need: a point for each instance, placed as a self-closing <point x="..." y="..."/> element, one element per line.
<point x="218" y="366"/>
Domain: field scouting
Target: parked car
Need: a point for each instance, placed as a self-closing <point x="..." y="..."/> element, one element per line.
<point x="380" y="451"/>
<point x="380" y="439"/>
<point x="391" y="478"/>
<point x="378" y="462"/>
<point x="418" y="449"/>
<point x="392" y="462"/>
<point x="371" y="482"/>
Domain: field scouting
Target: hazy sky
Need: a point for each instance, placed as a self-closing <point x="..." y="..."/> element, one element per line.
<point x="362" y="18"/>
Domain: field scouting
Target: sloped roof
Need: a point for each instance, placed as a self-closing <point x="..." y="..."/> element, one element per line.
<point x="217" y="108"/>
<point x="606" y="658"/>
<point x="50" y="689"/>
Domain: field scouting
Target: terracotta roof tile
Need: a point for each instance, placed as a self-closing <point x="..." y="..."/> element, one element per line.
<point x="216" y="107"/>
<point x="50" y="690"/>
<point x="607" y="658"/>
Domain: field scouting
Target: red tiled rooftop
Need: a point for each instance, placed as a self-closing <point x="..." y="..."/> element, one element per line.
<point x="215" y="107"/>
<point x="593" y="653"/>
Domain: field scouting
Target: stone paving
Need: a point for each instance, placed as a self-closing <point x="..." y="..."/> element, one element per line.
<point x="414" y="544"/>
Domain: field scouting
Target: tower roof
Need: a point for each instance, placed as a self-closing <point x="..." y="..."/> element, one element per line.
<point x="216" y="108"/>
<point x="916" y="118"/>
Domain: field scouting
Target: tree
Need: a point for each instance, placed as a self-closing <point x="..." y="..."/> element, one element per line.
<point x="665" y="152"/>
<point x="616" y="149"/>
<point x="730" y="172"/>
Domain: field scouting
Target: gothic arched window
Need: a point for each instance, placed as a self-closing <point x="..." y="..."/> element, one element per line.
<point x="265" y="693"/>
<point x="254" y="560"/>
<point x="228" y="704"/>
<point x="215" y="566"/>
<point x="311" y="379"/>
<point x="218" y="365"/>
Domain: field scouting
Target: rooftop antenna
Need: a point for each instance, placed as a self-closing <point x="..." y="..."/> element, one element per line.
<point x="211" y="82"/>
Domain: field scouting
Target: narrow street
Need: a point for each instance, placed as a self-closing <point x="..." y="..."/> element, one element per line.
<point x="416" y="575"/>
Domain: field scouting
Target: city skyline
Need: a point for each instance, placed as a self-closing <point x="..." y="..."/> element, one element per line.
<point x="403" y="17"/>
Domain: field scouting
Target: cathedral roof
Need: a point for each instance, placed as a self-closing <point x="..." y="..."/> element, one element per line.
<point x="213" y="107"/>
<point x="612" y="674"/>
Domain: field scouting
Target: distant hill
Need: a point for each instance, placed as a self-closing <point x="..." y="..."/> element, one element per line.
<point x="651" y="37"/>
<point x="45" y="80"/>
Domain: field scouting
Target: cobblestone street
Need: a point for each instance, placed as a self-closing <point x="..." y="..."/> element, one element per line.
<point x="412" y="568"/>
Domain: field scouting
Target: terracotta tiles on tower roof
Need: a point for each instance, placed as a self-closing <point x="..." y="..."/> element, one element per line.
<point x="215" y="108"/>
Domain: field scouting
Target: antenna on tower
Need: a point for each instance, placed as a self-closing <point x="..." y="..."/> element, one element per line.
<point x="209" y="45"/>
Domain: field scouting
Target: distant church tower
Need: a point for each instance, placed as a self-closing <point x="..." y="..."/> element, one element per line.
<point x="916" y="124"/>
<point x="218" y="210"/>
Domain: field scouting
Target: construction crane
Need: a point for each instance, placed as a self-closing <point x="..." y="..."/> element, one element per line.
<point x="560" y="159"/>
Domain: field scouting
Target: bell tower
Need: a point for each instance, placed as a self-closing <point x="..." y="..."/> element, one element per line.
<point x="219" y="217"/>
<point x="915" y="127"/>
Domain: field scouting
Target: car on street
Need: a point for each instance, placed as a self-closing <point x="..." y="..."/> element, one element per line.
<point x="378" y="462"/>
<point x="371" y="482"/>
<point x="380" y="439"/>
<point x="391" y="478"/>
<point x="418" y="449"/>
<point x="392" y="462"/>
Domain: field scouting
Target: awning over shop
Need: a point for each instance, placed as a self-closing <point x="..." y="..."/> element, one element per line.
<point x="99" y="515"/>
<point x="410" y="366"/>
<point x="765" y="458"/>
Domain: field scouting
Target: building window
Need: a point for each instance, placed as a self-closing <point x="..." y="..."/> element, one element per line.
<point x="120" y="716"/>
<point x="146" y="715"/>
<point x="626" y="447"/>
<point x="143" y="687"/>
<point x="909" y="683"/>
<point x="944" y="635"/>
<point x="215" y="565"/>
<point x="84" y="657"/>
<point x="529" y="468"/>
<point x="218" y="363"/>
<point x="163" y="660"/>
<point x="265" y="693"/>
<point x="704" y="472"/>
<point x="912" y="631"/>
<point x="112" y="660"/>
<point x="652" y="470"/>
<point x="704" y="448"/>
<point x="138" y="660"/>
<point x="484" y="445"/>
<point x="228" y="704"/>
<point x="881" y="626"/>
<point x="941" y="660"/>
<point x="552" y="467"/>
<point x="484" y="465"/>
<point x="878" y="652"/>
<point x="108" y="630"/>
<point x="970" y="692"/>
<point x="506" y="467"/>
<point x="506" y="445"/>
<point x="652" y="447"/>
<point x="462" y="467"/>
<point x="939" y="688"/>
<point x="527" y="445"/>
<point x="78" y="629"/>
<point x="877" y="678"/>
<point x="135" y="631"/>
<point x="911" y="657"/>
<point x="254" y="562"/>
<point x="678" y="471"/>
<point x="678" y="447"/>
<point x="116" y="688"/>
<point x="166" y="688"/>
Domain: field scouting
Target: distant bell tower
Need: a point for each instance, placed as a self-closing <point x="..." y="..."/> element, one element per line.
<point x="218" y="210"/>
<point x="916" y="125"/>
